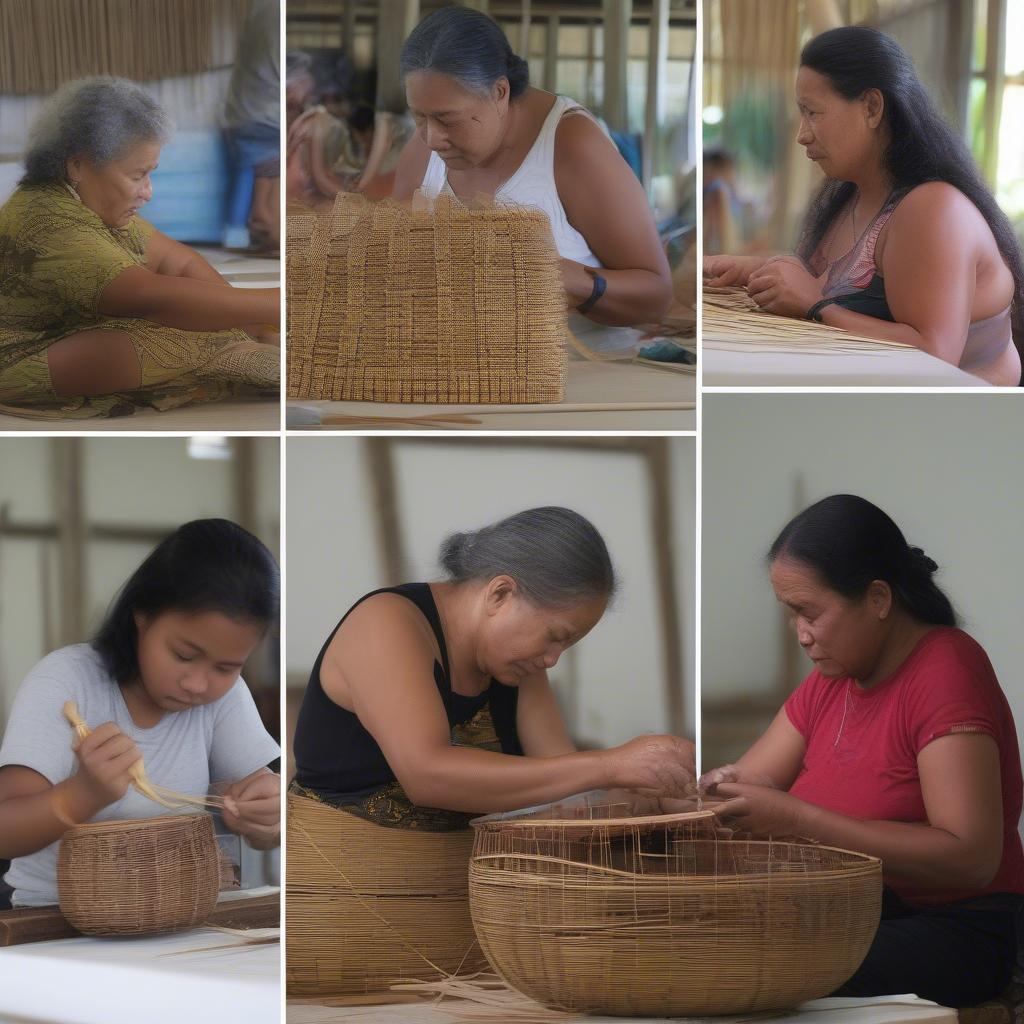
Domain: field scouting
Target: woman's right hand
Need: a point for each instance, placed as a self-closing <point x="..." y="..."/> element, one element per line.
<point x="105" y="757"/>
<point x="664" y="765"/>
<point x="708" y="782"/>
<point x="729" y="271"/>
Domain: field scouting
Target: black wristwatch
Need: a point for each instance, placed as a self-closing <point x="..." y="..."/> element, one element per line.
<point x="598" y="290"/>
<point x="814" y="313"/>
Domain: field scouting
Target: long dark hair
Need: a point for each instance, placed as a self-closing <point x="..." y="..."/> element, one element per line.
<point x="922" y="145"/>
<point x="205" y="565"/>
<point x="469" y="46"/>
<point x="849" y="543"/>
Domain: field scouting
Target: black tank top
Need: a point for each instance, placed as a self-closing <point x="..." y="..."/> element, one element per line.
<point x="334" y="752"/>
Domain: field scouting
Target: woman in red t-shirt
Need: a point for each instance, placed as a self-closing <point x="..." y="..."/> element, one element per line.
<point x="900" y="744"/>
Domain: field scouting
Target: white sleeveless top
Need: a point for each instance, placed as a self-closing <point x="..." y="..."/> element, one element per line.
<point x="532" y="184"/>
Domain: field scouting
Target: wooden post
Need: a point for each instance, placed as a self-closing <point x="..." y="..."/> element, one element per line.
<point x="616" y="51"/>
<point x="348" y="28"/>
<point x="243" y="480"/>
<point x="523" y="50"/>
<point x="995" y="79"/>
<point x="380" y="466"/>
<point x="591" y="97"/>
<point x="959" y="63"/>
<point x="654" y="114"/>
<point x="551" y="55"/>
<point x="663" y="533"/>
<point x="67" y="469"/>
<point x="395" y="20"/>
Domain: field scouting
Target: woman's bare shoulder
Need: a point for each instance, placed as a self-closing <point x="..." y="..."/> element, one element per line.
<point x="412" y="165"/>
<point x="381" y="622"/>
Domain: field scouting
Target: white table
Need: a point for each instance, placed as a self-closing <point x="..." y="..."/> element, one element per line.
<point x="880" y="1010"/>
<point x="895" y="368"/>
<point x="193" y="977"/>
<point x="599" y="396"/>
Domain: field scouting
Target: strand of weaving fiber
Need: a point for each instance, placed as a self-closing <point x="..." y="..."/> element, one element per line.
<point x="162" y="795"/>
<point x="358" y="897"/>
<point x="732" y="320"/>
<point x="492" y="999"/>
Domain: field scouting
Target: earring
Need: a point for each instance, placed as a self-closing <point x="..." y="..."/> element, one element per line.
<point x="72" y="187"/>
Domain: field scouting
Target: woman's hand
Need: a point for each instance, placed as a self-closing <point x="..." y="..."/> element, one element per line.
<point x="708" y="782"/>
<point x="783" y="286"/>
<point x="105" y="757"/>
<point x="252" y="808"/>
<point x="727" y="271"/>
<point x="761" y="810"/>
<point x="662" y="765"/>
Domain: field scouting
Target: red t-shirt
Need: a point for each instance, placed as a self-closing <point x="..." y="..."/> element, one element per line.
<point x="862" y="745"/>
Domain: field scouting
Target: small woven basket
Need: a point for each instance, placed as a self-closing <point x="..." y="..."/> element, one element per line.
<point x="387" y="304"/>
<point x="368" y="906"/>
<point x="666" y="919"/>
<point x="138" y="877"/>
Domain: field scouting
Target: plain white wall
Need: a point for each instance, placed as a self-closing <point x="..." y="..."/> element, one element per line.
<point x="947" y="468"/>
<point x="611" y="684"/>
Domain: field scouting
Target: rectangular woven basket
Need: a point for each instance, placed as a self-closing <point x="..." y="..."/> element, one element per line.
<point x="455" y="305"/>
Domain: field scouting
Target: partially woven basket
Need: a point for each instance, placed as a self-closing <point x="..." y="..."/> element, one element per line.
<point x="138" y="877"/>
<point x="368" y="906"/>
<point x="665" y="919"/>
<point x="455" y="305"/>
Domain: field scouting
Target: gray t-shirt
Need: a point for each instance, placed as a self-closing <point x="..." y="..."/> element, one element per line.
<point x="186" y="750"/>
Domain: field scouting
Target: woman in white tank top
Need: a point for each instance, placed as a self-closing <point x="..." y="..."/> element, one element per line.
<point x="482" y="129"/>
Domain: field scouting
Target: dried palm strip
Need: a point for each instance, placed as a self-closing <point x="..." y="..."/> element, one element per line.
<point x="162" y="795"/>
<point x="489" y="999"/>
<point x="732" y="321"/>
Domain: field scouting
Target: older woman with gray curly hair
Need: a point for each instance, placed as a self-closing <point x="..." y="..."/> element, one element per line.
<point x="99" y="311"/>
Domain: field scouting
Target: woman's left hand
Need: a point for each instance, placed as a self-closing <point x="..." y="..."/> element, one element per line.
<point x="783" y="286"/>
<point x="252" y="808"/>
<point x="760" y="809"/>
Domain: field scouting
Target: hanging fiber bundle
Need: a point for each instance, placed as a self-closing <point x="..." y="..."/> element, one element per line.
<point x="454" y="305"/>
<point x="138" y="877"/>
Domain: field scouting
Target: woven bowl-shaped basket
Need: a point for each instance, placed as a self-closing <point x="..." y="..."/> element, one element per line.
<point x="138" y="877"/>
<point x="368" y="906"/>
<point x="452" y="306"/>
<point x="670" y="921"/>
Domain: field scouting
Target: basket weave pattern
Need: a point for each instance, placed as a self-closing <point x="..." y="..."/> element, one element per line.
<point x="138" y="877"/>
<point x="368" y="905"/>
<point x="452" y="306"/>
<point x="668" y="922"/>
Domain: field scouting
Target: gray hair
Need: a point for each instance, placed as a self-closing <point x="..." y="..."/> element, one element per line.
<point x="467" y="45"/>
<point x="97" y="118"/>
<point x="556" y="557"/>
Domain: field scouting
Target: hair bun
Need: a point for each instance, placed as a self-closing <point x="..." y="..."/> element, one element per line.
<point x="922" y="562"/>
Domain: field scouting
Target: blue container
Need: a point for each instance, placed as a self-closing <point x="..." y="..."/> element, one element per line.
<point x="190" y="188"/>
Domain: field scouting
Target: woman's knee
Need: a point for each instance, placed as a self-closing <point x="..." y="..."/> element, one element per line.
<point x="94" y="362"/>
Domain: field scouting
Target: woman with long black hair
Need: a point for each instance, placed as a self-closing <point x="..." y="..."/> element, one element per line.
<point x="904" y="241"/>
<point x="899" y="744"/>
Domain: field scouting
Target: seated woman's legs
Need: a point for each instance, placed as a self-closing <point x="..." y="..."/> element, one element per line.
<point x="94" y="362"/>
<point x="954" y="957"/>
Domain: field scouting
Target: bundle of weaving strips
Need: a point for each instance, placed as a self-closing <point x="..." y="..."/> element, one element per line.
<point x="138" y="877"/>
<point x="368" y="906"/>
<point x="732" y="321"/>
<point x="451" y="305"/>
<point x="661" y="916"/>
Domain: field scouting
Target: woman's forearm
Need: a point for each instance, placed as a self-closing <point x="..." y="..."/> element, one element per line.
<point x="918" y="854"/>
<point x="30" y="823"/>
<point x="630" y="297"/>
<point x="188" y="304"/>
<point x="884" y="330"/>
<point x="467" y="779"/>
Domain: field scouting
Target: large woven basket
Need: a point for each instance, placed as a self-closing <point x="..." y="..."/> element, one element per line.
<point x="665" y="919"/>
<point x="368" y="906"/>
<point x="450" y="306"/>
<point x="138" y="877"/>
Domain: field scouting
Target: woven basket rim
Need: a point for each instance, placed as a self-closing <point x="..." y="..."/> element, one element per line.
<point x="126" y="824"/>
<point x="491" y="823"/>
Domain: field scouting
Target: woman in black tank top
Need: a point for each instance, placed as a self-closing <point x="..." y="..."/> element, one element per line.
<point x="430" y="703"/>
